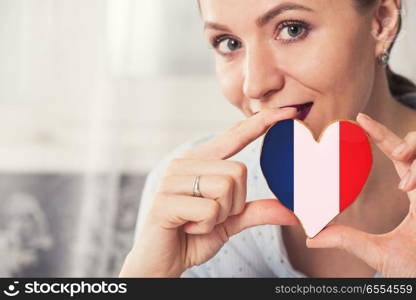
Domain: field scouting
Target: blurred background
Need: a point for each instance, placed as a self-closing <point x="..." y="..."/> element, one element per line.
<point x="93" y="94"/>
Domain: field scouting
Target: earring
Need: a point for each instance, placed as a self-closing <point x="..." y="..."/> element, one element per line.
<point x="383" y="59"/>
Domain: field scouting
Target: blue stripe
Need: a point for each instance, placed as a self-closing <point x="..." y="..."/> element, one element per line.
<point x="277" y="162"/>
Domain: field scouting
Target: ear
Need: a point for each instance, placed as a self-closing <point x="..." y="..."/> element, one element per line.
<point x="385" y="25"/>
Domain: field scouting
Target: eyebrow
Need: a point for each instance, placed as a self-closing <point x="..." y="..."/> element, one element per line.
<point x="265" y="18"/>
<point x="216" y="26"/>
<point x="279" y="9"/>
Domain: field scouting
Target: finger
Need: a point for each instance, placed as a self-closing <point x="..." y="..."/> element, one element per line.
<point x="406" y="151"/>
<point x="385" y="139"/>
<point x="260" y="212"/>
<point x="241" y="134"/>
<point x="173" y="211"/>
<point x="218" y="188"/>
<point x="234" y="169"/>
<point x="408" y="182"/>
<point x="362" y="245"/>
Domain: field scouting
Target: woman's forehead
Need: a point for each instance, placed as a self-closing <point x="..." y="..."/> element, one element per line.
<point x="216" y="9"/>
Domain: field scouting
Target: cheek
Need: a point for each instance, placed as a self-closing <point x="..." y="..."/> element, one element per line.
<point x="231" y="82"/>
<point x="354" y="72"/>
<point x="340" y="67"/>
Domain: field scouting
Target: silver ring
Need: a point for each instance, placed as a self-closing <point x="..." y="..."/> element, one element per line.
<point x="196" y="191"/>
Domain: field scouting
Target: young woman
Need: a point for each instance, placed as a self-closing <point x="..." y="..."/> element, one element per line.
<point x="318" y="61"/>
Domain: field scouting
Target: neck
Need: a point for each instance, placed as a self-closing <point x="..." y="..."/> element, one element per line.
<point x="380" y="198"/>
<point x="383" y="107"/>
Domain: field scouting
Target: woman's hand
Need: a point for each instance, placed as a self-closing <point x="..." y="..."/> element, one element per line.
<point x="182" y="231"/>
<point x="394" y="253"/>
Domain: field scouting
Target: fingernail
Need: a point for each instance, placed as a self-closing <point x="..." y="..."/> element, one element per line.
<point x="405" y="181"/>
<point x="364" y="116"/>
<point x="399" y="149"/>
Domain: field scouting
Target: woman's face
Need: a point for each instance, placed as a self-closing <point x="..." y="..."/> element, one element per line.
<point x="274" y="53"/>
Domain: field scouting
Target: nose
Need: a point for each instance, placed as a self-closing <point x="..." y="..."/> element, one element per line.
<point x="262" y="77"/>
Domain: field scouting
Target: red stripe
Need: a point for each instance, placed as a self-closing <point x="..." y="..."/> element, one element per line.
<point x="355" y="162"/>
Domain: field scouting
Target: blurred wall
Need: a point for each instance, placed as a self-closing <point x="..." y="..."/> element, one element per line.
<point x="81" y="79"/>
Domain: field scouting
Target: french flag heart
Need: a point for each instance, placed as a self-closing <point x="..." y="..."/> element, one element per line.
<point x="317" y="180"/>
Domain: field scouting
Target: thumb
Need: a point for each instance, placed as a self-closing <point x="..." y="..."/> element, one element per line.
<point x="260" y="212"/>
<point x="361" y="244"/>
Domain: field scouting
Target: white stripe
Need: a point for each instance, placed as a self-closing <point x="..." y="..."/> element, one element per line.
<point x="316" y="177"/>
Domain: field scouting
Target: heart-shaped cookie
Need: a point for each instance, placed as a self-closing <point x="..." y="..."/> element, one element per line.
<point x="317" y="180"/>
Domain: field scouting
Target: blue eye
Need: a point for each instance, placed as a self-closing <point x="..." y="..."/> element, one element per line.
<point x="292" y="30"/>
<point x="227" y="45"/>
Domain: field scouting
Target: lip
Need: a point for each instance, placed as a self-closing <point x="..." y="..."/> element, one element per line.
<point x="302" y="109"/>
